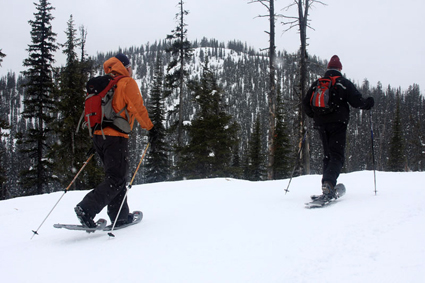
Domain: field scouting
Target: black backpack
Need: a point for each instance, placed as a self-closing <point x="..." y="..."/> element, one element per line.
<point x="322" y="98"/>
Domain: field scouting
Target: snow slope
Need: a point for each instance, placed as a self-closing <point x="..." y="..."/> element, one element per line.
<point x="227" y="230"/>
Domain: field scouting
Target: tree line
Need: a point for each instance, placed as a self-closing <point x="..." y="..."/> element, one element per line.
<point x="210" y="102"/>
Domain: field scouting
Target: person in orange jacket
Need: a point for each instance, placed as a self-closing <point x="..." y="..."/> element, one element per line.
<point x="112" y="147"/>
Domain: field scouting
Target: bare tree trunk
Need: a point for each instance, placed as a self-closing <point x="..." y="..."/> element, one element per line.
<point x="302" y="19"/>
<point x="181" y="108"/>
<point x="269" y="4"/>
<point x="272" y="95"/>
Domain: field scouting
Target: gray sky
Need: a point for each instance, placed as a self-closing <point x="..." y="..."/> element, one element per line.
<point x="381" y="40"/>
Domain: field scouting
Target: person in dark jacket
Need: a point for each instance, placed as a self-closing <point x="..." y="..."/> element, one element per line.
<point x="112" y="147"/>
<point x="332" y="127"/>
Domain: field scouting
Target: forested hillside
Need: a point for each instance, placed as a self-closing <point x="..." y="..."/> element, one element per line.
<point x="242" y="77"/>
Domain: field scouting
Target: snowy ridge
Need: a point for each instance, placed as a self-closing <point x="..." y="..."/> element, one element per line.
<point x="227" y="230"/>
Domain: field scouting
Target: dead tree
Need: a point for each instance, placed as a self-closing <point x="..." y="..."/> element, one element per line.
<point x="302" y="22"/>
<point x="269" y="5"/>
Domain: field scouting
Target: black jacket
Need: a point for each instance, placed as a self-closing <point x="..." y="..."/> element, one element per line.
<point x="346" y="93"/>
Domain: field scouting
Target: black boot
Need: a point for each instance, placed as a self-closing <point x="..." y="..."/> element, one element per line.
<point x="328" y="190"/>
<point x="84" y="217"/>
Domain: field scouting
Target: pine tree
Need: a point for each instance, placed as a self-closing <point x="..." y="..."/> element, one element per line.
<point x="10" y="111"/>
<point x="39" y="101"/>
<point x="157" y="161"/>
<point x="71" y="147"/>
<point x="396" y="161"/>
<point x="181" y="52"/>
<point x="236" y="169"/>
<point x="414" y="127"/>
<point x="283" y="161"/>
<point x="3" y="178"/>
<point x="3" y="126"/>
<point x="254" y="167"/>
<point x="212" y="134"/>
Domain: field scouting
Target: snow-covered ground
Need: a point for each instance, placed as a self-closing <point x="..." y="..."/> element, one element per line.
<point x="227" y="230"/>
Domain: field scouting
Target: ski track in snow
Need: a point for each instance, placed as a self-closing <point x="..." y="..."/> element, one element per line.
<point x="227" y="230"/>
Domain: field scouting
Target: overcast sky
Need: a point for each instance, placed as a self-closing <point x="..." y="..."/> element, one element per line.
<point x="381" y="40"/>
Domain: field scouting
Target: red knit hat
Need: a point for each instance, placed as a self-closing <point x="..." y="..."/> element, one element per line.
<point x="334" y="63"/>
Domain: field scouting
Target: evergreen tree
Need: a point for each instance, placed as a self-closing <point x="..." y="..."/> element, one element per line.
<point x="10" y="110"/>
<point x="283" y="152"/>
<point x="3" y="125"/>
<point x="181" y="51"/>
<point x="212" y="134"/>
<point x="71" y="147"/>
<point x="3" y="178"/>
<point x="254" y="168"/>
<point x="236" y="169"/>
<point x="413" y="114"/>
<point x="157" y="161"/>
<point x="39" y="101"/>
<point x="396" y="161"/>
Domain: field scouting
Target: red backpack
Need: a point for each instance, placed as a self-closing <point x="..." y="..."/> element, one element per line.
<point x="98" y="111"/>
<point x="322" y="96"/>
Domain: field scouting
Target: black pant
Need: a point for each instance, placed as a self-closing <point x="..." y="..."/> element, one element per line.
<point x="333" y="136"/>
<point x="113" y="151"/>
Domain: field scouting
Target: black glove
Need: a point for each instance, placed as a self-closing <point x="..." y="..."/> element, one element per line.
<point x="369" y="103"/>
<point x="153" y="135"/>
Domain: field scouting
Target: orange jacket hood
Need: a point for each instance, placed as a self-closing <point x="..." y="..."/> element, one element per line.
<point x="114" y="66"/>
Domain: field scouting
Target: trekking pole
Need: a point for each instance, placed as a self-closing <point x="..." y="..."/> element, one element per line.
<point x="293" y="170"/>
<point x="66" y="190"/>
<point x="373" y="151"/>
<point x="127" y="189"/>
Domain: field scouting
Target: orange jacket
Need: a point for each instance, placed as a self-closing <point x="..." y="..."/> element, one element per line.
<point x="126" y="93"/>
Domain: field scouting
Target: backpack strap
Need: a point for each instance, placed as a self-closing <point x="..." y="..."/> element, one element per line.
<point x="336" y="82"/>
<point x="333" y="79"/>
<point x="112" y="84"/>
<point x="79" y="123"/>
<point x="126" y="113"/>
